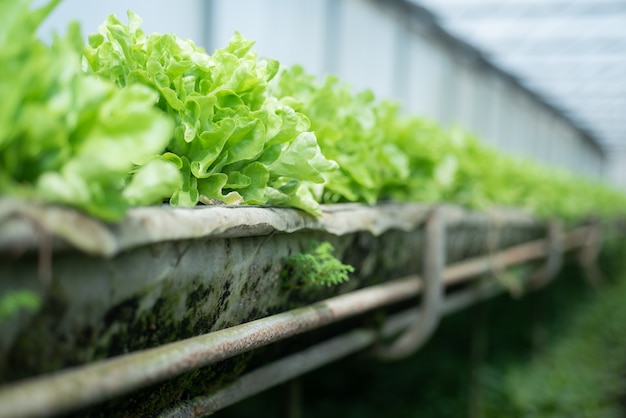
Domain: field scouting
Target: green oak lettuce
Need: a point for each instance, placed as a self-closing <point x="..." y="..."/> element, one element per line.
<point x="233" y="142"/>
<point x="349" y="131"/>
<point x="131" y="120"/>
<point x="384" y="154"/>
<point x="72" y="138"/>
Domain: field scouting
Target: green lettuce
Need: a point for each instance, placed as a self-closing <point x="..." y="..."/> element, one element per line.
<point x="451" y="165"/>
<point x="69" y="137"/>
<point x="384" y="154"/>
<point x="349" y="131"/>
<point x="233" y="142"/>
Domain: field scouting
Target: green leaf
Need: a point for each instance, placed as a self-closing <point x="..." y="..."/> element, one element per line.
<point x="65" y="136"/>
<point x="211" y="190"/>
<point x="152" y="183"/>
<point x="315" y="266"/>
<point x="302" y="158"/>
<point x="188" y="194"/>
<point x="14" y="301"/>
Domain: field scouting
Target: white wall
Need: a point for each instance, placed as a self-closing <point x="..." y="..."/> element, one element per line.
<point x="617" y="167"/>
<point x="291" y="31"/>
<point x="182" y="17"/>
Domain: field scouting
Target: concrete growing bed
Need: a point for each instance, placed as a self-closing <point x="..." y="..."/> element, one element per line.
<point x="165" y="274"/>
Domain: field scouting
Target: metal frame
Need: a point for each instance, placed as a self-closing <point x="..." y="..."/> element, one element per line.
<point x="589" y="252"/>
<point x="554" y="261"/>
<point x="581" y="42"/>
<point x="86" y="385"/>
<point x="318" y="355"/>
<point x="434" y="262"/>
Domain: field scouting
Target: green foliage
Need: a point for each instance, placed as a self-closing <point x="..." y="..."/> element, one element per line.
<point x="131" y="119"/>
<point x="316" y="266"/>
<point x="232" y="142"/>
<point x="582" y="372"/>
<point x="71" y="138"/>
<point x="12" y="302"/>
<point x="383" y="154"/>
<point x="462" y="370"/>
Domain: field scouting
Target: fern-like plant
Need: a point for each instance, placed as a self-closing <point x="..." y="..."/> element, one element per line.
<point x="316" y="266"/>
<point x="14" y="301"/>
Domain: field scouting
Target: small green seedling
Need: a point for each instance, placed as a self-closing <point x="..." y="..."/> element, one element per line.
<point x="316" y="266"/>
<point x="12" y="302"/>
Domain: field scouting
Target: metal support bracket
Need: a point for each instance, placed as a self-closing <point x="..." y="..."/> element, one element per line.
<point x="554" y="261"/>
<point x="434" y="261"/>
<point x="588" y="255"/>
<point x="497" y="267"/>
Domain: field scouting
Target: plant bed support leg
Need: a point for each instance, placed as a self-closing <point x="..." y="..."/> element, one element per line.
<point x="554" y="262"/>
<point x="433" y="270"/>
<point x="588" y="255"/>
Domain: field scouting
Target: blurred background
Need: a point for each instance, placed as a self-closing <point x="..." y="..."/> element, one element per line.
<point x="538" y="78"/>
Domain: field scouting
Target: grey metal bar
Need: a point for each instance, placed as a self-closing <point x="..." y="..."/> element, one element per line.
<point x="452" y="303"/>
<point x="434" y="260"/>
<point x="518" y="254"/>
<point x="276" y="373"/>
<point x="207" y="23"/>
<point x="554" y="261"/>
<point x="588" y="255"/>
<point x="85" y="385"/>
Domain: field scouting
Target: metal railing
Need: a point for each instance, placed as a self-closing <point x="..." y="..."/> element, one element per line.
<point x="76" y="388"/>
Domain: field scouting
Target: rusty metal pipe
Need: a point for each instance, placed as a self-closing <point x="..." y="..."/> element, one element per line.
<point x="452" y="303"/>
<point x="276" y="373"/>
<point x="82" y="386"/>
<point x="433" y="266"/>
<point x="459" y="272"/>
<point x="318" y="355"/>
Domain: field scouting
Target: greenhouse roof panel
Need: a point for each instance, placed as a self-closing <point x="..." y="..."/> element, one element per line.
<point x="571" y="53"/>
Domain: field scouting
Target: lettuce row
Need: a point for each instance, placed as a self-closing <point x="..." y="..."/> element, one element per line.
<point x="454" y="166"/>
<point x="147" y="118"/>
<point x="72" y="138"/>
<point x="233" y="142"/>
<point x="384" y="154"/>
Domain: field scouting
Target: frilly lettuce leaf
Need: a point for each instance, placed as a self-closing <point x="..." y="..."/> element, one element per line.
<point x="151" y="182"/>
<point x="384" y="154"/>
<point x="234" y="142"/>
<point x="69" y="137"/>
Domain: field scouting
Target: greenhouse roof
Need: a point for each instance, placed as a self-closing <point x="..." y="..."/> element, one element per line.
<point x="572" y="54"/>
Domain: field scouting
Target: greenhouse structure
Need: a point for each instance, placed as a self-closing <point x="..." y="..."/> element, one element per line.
<point x="299" y="208"/>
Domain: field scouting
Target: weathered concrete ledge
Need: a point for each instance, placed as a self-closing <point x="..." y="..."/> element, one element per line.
<point x="165" y="274"/>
